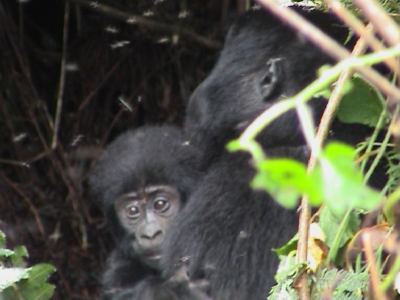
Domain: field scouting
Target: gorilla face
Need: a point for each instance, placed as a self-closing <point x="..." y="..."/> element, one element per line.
<point x="142" y="179"/>
<point x="145" y="215"/>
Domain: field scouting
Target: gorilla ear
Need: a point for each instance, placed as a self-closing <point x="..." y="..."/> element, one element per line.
<point x="270" y="79"/>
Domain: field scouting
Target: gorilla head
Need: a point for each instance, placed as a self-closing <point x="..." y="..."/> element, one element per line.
<point x="262" y="62"/>
<point x="143" y="178"/>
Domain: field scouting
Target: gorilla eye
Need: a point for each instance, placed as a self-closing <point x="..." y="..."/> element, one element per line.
<point x="132" y="212"/>
<point x="161" y="205"/>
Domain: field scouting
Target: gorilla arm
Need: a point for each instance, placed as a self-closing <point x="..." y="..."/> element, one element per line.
<point x="150" y="287"/>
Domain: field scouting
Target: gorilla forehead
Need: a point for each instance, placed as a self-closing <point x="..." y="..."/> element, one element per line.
<point x="148" y="155"/>
<point x="258" y="35"/>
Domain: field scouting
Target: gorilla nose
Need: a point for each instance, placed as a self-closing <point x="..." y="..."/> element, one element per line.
<point x="151" y="240"/>
<point x="151" y="236"/>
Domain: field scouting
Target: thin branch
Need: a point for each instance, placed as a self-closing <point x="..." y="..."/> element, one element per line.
<point x="331" y="47"/>
<point x="25" y="71"/>
<point x="372" y="268"/>
<point x="382" y="149"/>
<point x="142" y="21"/>
<point x="21" y="24"/>
<point x="337" y="93"/>
<point x="62" y="77"/>
<point x="322" y="133"/>
<point x="14" y="162"/>
<point x="358" y="27"/>
<point x="30" y="204"/>
<point x="93" y="92"/>
<point x="385" y="26"/>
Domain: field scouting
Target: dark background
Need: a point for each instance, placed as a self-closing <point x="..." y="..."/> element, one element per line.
<point x="44" y="199"/>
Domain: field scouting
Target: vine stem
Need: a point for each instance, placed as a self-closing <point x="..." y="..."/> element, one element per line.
<point x="322" y="133"/>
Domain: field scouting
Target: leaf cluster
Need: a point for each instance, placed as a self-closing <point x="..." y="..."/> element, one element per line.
<point x="20" y="282"/>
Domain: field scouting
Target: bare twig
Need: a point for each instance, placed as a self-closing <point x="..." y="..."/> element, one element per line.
<point x="372" y="269"/>
<point x="62" y="77"/>
<point x="112" y="124"/>
<point x="93" y="92"/>
<point x="337" y="93"/>
<point x="21" y="24"/>
<point x="30" y="204"/>
<point x="47" y="151"/>
<point x="14" y="162"/>
<point x="26" y="72"/>
<point x="142" y="21"/>
<point x="302" y="244"/>
<point x="331" y="47"/>
<point x="322" y="133"/>
<point x="358" y="27"/>
<point x="385" y="26"/>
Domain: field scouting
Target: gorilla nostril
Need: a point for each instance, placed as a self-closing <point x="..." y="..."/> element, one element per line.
<point x="151" y="236"/>
<point x="157" y="234"/>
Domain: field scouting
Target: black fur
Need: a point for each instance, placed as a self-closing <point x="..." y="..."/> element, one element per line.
<point x="137" y="159"/>
<point x="233" y="94"/>
<point x="226" y="232"/>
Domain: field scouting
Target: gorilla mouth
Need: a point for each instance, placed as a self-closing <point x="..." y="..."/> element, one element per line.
<point x="153" y="257"/>
<point x="152" y="260"/>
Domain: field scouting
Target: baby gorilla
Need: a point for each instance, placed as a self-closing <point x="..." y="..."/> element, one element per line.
<point x="143" y="179"/>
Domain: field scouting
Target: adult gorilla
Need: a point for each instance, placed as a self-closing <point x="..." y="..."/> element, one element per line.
<point x="262" y="62"/>
<point x="226" y="231"/>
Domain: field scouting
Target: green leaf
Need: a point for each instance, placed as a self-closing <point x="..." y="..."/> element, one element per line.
<point x="19" y="253"/>
<point x="15" y="255"/>
<point x="361" y="104"/>
<point x="285" y="180"/>
<point x="41" y="292"/>
<point x="288" y="247"/>
<point x="6" y="253"/>
<point x="286" y="276"/>
<point x="40" y="273"/>
<point x="9" y="276"/>
<point x="342" y="182"/>
<point x="2" y="240"/>
<point x="234" y="145"/>
<point x="23" y="283"/>
<point x="330" y="223"/>
<point x="35" y="286"/>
